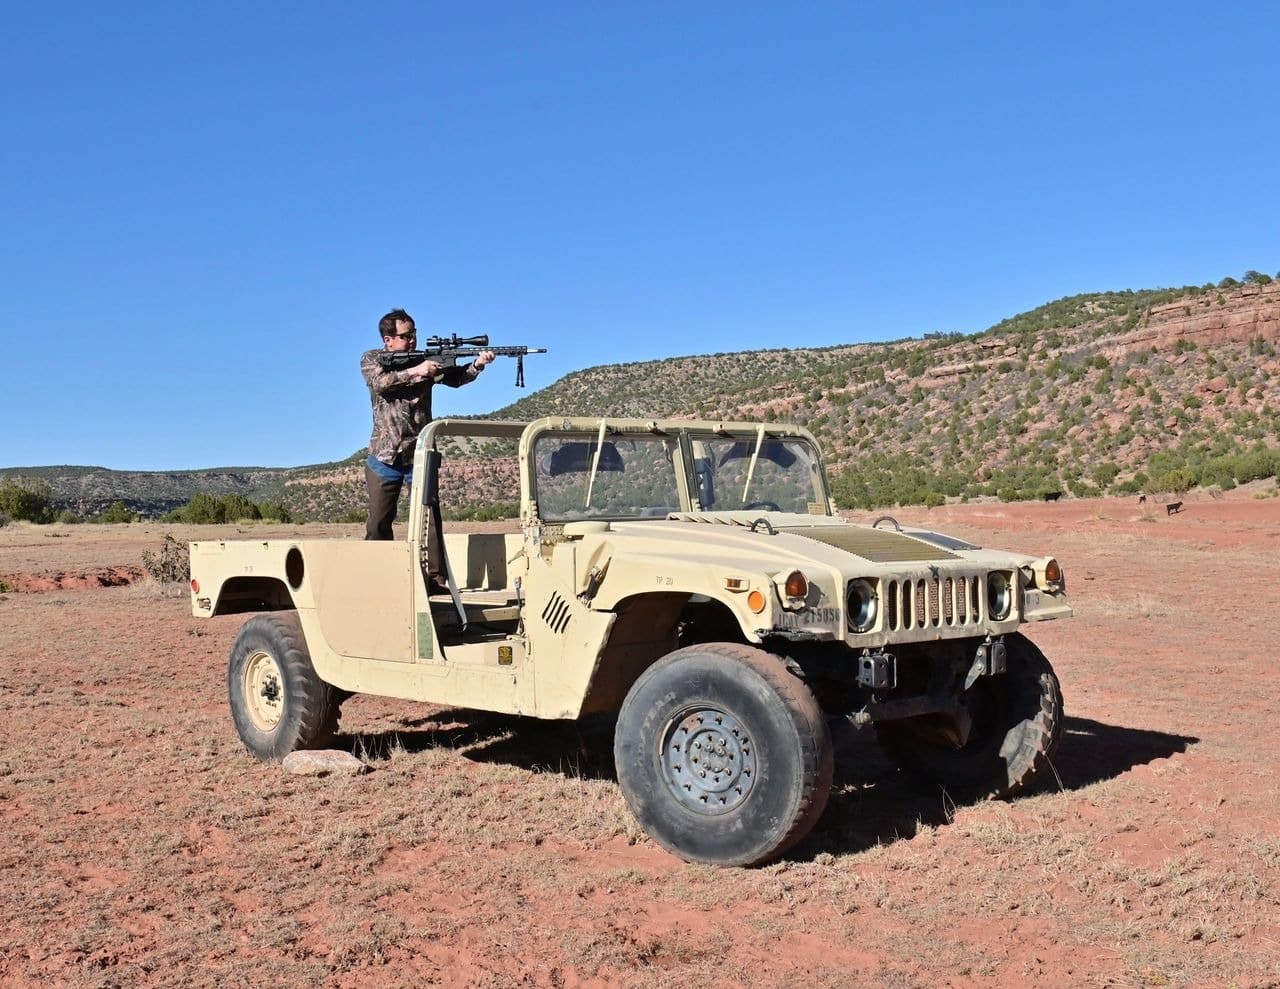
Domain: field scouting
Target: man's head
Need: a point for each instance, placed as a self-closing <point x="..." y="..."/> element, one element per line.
<point x="397" y="330"/>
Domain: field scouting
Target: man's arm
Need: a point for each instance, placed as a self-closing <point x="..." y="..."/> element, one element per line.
<point x="455" y="376"/>
<point x="382" y="382"/>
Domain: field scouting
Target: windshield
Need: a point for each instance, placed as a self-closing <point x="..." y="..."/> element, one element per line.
<point x="775" y="474"/>
<point x="580" y="477"/>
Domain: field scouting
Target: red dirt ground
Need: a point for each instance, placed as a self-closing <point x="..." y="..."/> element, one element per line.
<point x="143" y="847"/>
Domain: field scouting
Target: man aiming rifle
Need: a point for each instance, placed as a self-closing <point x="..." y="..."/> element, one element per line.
<point x="400" y="379"/>
<point x="445" y="351"/>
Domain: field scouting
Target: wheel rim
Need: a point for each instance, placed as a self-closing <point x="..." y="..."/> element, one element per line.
<point x="708" y="760"/>
<point x="263" y="691"/>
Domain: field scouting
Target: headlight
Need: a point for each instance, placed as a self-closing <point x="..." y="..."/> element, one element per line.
<point x="999" y="595"/>
<point x="863" y="604"/>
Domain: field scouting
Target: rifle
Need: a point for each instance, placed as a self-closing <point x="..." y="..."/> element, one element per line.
<point x="446" y="351"/>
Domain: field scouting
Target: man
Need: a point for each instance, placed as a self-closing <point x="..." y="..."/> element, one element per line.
<point x="401" y="407"/>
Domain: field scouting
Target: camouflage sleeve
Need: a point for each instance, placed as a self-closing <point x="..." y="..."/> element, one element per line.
<point x="459" y="375"/>
<point x="381" y="382"/>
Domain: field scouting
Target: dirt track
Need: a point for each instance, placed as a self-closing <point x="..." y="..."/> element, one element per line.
<point x="144" y="848"/>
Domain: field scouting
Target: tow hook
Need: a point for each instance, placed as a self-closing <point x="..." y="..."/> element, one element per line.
<point x="990" y="659"/>
<point x="877" y="670"/>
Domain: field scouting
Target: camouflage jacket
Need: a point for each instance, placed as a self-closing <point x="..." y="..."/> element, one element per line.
<point x="402" y="406"/>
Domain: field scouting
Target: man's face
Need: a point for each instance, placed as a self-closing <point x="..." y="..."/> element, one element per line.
<point x="405" y="337"/>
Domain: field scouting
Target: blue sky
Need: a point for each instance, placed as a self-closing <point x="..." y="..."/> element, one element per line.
<point x="207" y="207"/>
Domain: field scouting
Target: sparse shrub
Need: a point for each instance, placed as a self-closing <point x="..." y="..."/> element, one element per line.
<point x="206" y="509"/>
<point x="1218" y="473"/>
<point x="481" y="513"/>
<point x="1177" y="480"/>
<point x="238" y="508"/>
<point x="1258" y="463"/>
<point x="172" y="564"/>
<point x="26" y="498"/>
<point x="1104" y="474"/>
<point x="275" y="511"/>
<point x="1081" y="489"/>
<point x="68" y="517"/>
<point x="117" y="512"/>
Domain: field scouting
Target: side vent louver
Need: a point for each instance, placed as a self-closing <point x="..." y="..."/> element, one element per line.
<point x="556" y="614"/>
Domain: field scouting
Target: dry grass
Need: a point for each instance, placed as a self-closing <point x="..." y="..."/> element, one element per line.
<point x="1128" y="607"/>
<point x="144" y="848"/>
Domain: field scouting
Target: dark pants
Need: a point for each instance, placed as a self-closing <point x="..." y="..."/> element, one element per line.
<point x="384" y="493"/>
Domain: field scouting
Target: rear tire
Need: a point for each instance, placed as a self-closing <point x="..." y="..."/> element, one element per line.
<point x="722" y="755"/>
<point x="278" y="702"/>
<point x="1017" y="723"/>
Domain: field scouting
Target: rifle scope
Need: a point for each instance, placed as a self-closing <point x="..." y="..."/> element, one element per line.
<point x="454" y="340"/>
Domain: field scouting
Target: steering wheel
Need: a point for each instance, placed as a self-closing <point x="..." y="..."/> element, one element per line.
<point x="771" y="506"/>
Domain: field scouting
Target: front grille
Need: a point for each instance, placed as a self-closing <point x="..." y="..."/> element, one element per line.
<point x="934" y="602"/>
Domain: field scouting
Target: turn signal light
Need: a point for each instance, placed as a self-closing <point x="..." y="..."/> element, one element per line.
<point x="797" y="585"/>
<point x="195" y="586"/>
<point x="755" y="601"/>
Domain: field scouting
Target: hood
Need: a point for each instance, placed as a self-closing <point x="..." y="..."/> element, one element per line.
<point x="872" y="544"/>
<point x="876" y="545"/>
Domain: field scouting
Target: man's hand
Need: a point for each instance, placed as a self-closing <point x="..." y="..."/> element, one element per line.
<point x="484" y="358"/>
<point x="427" y="369"/>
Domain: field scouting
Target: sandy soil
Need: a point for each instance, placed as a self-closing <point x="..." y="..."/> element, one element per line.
<point x="143" y="847"/>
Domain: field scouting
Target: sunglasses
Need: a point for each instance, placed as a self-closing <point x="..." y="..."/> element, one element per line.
<point x="411" y="335"/>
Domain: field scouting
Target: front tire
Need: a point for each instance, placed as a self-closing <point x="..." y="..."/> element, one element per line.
<point x="278" y="702"/>
<point x="722" y="755"/>
<point x="1016" y="725"/>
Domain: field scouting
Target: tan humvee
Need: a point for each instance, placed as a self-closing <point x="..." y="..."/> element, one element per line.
<point x="692" y="577"/>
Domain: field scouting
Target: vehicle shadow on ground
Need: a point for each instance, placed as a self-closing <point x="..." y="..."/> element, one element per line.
<point x="872" y="803"/>
<point x="582" y="749"/>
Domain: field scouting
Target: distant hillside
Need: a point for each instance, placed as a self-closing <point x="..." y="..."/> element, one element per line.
<point x="87" y="491"/>
<point x="1107" y="391"/>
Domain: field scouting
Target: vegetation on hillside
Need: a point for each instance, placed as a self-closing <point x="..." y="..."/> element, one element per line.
<point x="1103" y="393"/>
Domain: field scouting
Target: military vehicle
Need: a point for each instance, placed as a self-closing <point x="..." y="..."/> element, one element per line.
<point x="693" y="579"/>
